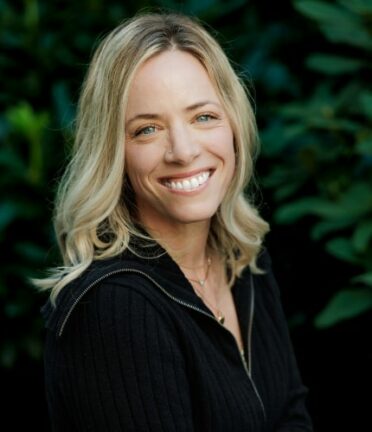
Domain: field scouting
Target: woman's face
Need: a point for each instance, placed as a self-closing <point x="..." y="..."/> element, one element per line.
<point x="179" y="149"/>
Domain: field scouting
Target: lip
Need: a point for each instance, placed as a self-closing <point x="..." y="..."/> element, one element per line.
<point x="189" y="193"/>
<point x="186" y="175"/>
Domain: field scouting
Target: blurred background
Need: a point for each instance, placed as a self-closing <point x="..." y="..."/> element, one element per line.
<point x="308" y="64"/>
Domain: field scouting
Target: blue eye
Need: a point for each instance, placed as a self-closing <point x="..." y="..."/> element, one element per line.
<point x="204" y="118"/>
<point x="145" y="131"/>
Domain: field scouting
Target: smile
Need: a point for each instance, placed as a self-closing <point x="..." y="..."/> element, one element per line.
<point x="188" y="184"/>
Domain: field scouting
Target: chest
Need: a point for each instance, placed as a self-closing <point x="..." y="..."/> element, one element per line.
<point x="231" y="320"/>
<point x="231" y="397"/>
<point x="223" y="393"/>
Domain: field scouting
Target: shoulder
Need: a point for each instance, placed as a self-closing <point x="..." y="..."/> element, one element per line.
<point x="104" y="285"/>
<point x="264" y="259"/>
<point x="269" y="310"/>
<point x="115" y="304"/>
<point x="267" y="284"/>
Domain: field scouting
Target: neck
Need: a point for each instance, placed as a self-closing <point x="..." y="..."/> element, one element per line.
<point x="185" y="243"/>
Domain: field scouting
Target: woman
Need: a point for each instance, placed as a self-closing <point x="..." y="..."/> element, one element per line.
<point x="166" y="315"/>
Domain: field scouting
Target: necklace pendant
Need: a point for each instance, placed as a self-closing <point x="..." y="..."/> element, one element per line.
<point x="202" y="282"/>
<point x="221" y="319"/>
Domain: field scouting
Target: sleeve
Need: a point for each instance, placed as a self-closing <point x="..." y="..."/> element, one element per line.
<point x="295" y="417"/>
<point x="120" y="368"/>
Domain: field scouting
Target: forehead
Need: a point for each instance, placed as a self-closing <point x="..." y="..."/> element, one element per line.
<point x="172" y="76"/>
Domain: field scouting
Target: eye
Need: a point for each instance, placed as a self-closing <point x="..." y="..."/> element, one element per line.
<point x="203" y="118"/>
<point x="147" y="130"/>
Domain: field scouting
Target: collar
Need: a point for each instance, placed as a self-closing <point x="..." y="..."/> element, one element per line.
<point x="153" y="260"/>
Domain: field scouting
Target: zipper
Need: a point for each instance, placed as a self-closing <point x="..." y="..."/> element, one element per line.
<point x="247" y="367"/>
<point x="249" y="348"/>
<point x="127" y="270"/>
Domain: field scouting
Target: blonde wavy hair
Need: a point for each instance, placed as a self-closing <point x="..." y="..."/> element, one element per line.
<point x="93" y="218"/>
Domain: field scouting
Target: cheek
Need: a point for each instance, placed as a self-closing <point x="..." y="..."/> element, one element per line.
<point x="140" y="162"/>
<point x="226" y="147"/>
<point x="134" y="170"/>
<point x="136" y="161"/>
<point x="227" y="155"/>
<point x="231" y="168"/>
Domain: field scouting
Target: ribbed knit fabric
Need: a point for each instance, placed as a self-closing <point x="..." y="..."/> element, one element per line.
<point x="137" y="350"/>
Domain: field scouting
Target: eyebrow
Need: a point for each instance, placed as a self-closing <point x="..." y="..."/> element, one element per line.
<point x="150" y="116"/>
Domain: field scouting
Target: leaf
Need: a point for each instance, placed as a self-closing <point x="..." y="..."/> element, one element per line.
<point x="366" y="103"/>
<point x="63" y="103"/>
<point x="273" y="140"/>
<point x="351" y="33"/>
<point x="8" y="354"/>
<point x="34" y="347"/>
<point x="362" y="235"/>
<point x="195" y="6"/>
<point x="355" y="202"/>
<point x="327" y="226"/>
<point x="350" y="91"/>
<point x="345" y="304"/>
<point x="364" y="147"/>
<point x="323" y="12"/>
<point x="279" y="175"/>
<point x="332" y="64"/>
<point x="25" y="121"/>
<point x="364" y="278"/>
<point x="276" y="76"/>
<point x="31" y="252"/>
<point x="337" y="23"/>
<point x="211" y="8"/>
<point x="291" y="212"/>
<point x="321" y="109"/>
<point x="222" y="8"/>
<point x="8" y="212"/>
<point x="294" y="110"/>
<point x="12" y="210"/>
<point x="334" y="124"/>
<point x="11" y="161"/>
<point x="288" y="189"/>
<point x="31" y="15"/>
<point x="14" y="309"/>
<point x="342" y="249"/>
<point x="360" y="7"/>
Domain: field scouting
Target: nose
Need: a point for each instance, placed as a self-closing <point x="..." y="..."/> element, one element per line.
<point x="183" y="146"/>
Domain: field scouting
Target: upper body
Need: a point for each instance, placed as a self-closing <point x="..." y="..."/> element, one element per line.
<point x="131" y="347"/>
<point x="195" y="339"/>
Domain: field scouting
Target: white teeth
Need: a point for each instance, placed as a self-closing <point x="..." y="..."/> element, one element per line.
<point x="188" y="184"/>
<point x="194" y="182"/>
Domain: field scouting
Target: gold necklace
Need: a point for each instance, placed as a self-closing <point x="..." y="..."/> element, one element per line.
<point x="201" y="282"/>
<point x="220" y="315"/>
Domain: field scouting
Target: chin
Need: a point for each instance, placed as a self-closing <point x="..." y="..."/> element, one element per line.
<point x="189" y="216"/>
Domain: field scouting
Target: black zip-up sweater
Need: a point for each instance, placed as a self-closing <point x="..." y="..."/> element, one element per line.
<point x="131" y="347"/>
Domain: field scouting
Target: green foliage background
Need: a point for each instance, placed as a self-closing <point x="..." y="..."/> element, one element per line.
<point x="310" y="65"/>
